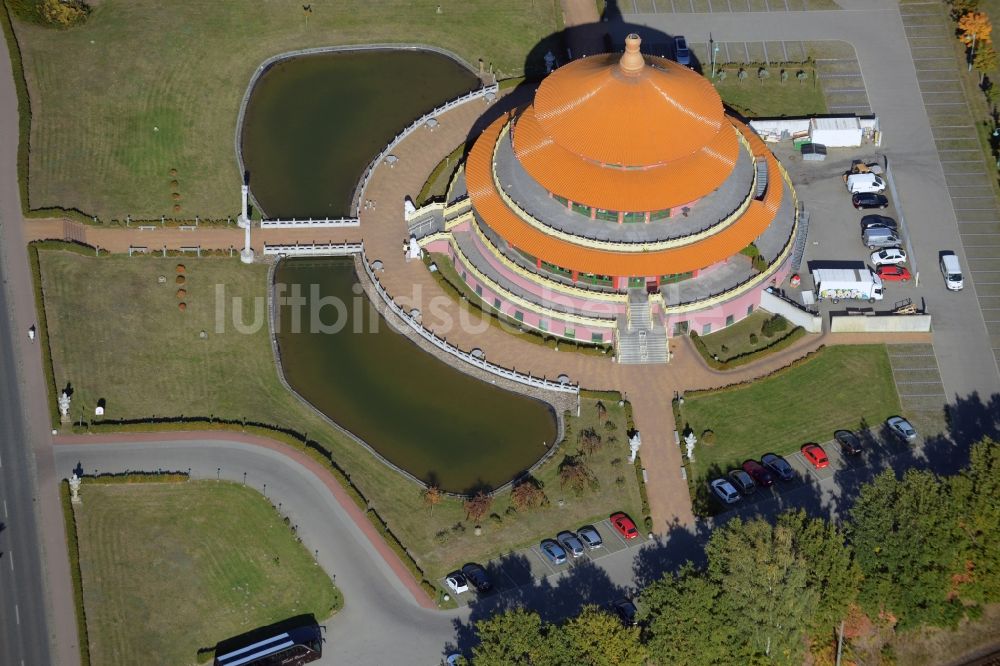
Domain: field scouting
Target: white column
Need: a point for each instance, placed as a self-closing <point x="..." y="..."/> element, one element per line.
<point x="244" y="218"/>
<point x="246" y="255"/>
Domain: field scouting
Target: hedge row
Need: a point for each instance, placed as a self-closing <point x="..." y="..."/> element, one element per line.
<point x="73" y="545"/>
<point x="136" y="477"/>
<point x="747" y="357"/>
<point x="23" y="104"/>
<point x="643" y="495"/>
<point x="42" y="329"/>
<point x="287" y="436"/>
<point x="747" y="382"/>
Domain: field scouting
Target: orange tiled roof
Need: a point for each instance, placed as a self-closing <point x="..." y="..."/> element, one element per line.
<point x="629" y="110"/>
<point x="671" y="184"/>
<point x="695" y="255"/>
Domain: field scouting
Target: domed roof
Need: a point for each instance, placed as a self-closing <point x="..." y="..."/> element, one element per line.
<point x="629" y="110"/>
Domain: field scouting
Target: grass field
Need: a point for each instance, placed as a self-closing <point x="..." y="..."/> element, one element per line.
<point x="116" y="333"/>
<point x="99" y="90"/>
<point x="163" y="574"/>
<point x="838" y="388"/>
<point x="735" y="340"/>
<point x="770" y="98"/>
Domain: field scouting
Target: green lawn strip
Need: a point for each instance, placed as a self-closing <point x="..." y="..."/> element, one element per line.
<point x="836" y="387"/>
<point x="769" y="97"/>
<point x="207" y="560"/>
<point x="101" y="155"/>
<point x="73" y="546"/>
<point x="151" y="362"/>
<point x="436" y="186"/>
<point x="453" y="285"/>
<point x="733" y="346"/>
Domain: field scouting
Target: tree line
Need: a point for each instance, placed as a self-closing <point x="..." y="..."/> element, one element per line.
<point x="915" y="551"/>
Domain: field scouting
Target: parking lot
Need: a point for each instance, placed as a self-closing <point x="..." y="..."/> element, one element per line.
<point x="527" y="565"/>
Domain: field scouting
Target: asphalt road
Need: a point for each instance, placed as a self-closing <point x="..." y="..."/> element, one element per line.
<point x="23" y="627"/>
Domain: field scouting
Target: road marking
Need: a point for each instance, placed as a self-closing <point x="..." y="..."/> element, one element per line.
<point x="11" y="555"/>
<point x="17" y="612"/>
<point x="5" y="514"/>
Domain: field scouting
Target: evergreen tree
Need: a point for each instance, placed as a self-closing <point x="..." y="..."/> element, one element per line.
<point x="682" y="622"/>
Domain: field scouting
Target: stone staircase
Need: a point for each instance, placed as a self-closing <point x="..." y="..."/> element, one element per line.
<point x="761" y="178"/>
<point x="639" y="340"/>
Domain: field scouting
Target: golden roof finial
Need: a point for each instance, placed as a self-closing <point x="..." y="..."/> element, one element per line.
<point x="632" y="61"/>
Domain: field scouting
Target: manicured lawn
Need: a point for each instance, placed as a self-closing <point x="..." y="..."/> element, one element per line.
<point x="144" y="86"/>
<point x="755" y="99"/>
<point x="839" y="387"/>
<point x="116" y="333"/>
<point x="169" y="568"/>
<point x="735" y="340"/>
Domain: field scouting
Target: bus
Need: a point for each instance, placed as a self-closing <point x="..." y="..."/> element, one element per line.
<point x="291" y="647"/>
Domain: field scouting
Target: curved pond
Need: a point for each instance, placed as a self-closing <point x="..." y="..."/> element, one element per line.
<point x="441" y="425"/>
<point x="313" y="123"/>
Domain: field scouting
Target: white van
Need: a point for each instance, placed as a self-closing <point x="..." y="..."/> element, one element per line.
<point x="952" y="271"/>
<point x="865" y="182"/>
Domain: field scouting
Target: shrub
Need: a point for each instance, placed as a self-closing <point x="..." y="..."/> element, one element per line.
<point x="174" y="184"/>
<point x="775" y="324"/>
<point x="441" y="536"/>
<point x="478" y="506"/>
<point x="620" y="482"/>
<point x="205" y="655"/>
<point x="181" y="268"/>
<point x="575" y="474"/>
<point x="754" y="339"/>
<point x="173" y="172"/>
<point x="496" y="519"/>
<point x="458" y="528"/>
<point x="182" y="306"/>
<point x="589" y="441"/>
<point x="177" y="208"/>
<point x="63" y="13"/>
<point x="648" y="522"/>
<point x="180" y="279"/>
<point x="610" y="426"/>
<point x="176" y="196"/>
<point x="181" y="293"/>
<point x="527" y="494"/>
<point x="708" y="437"/>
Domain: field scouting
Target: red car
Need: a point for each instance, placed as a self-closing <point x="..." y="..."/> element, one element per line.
<point x="816" y="456"/>
<point x="889" y="272"/>
<point x="624" y="525"/>
<point x="758" y="473"/>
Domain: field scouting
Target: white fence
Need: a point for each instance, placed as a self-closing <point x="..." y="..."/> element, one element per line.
<point x="359" y="191"/>
<point x="311" y="223"/>
<point x="792" y="311"/>
<point x="443" y="345"/>
<point x="314" y="249"/>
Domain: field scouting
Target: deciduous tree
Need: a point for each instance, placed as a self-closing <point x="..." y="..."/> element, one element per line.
<point x="527" y="495"/>
<point x="514" y="637"/>
<point x="975" y="492"/>
<point x="478" y="506"/>
<point x="683" y="623"/>
<point x="597" y="638"/>
<point x="974" y="26"/>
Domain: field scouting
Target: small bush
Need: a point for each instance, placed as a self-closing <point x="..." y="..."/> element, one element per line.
<point x="177" y="208"/>
<point x="775" y="324"/>
<point x="180" y="279"/>
<point x="648" y="522"/>
<point x="754" y="339"/>
<point x="174" y="184"/>
<point x="610" y="426"/>
<point x="181" y="268"/>
<point x="620" y="482"/>
<point x="173" y="172"/>
<point x="205" y="655"/>
<point x="496" y="519"/>
<point x="441" y="536"/>
<point x="708" y="437"/>
<point x="181" y="293"/>
<point x="182" y="306"/>
<point x="458" y="528"/>
<point x="176" y="196"/>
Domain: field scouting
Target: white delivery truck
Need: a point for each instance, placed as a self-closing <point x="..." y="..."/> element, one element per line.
<point x="839" y="284"/>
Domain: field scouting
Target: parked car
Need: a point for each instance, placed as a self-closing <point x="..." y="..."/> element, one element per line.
<point x="477" y="576"/>
<point x="952" y="271"/>
<point x="624" y="525"/>
<point x="858" y="183"/>
<point x="553" y="551"/>
<point x="778" y="465"/>
<point x="682" y="54"/>
<point x="590" y="537"/>
<point x="725" y="491"/>
<point x="893" y="273"/>
<point x="876" y="237"/>
<point x="456" y="582"/>
<point x="743" y="482"/>
<point x="850" y="445"/>
<point x="878" y="221"/>
<point x="758" y="473"/>
<point x="890" y="255"/>
<point x="626" y="610"/>
<point x="901" y="428"/>
<point x="571" y="543"/>
<point x="864" y="200"/>
<point x="815" y="455"/>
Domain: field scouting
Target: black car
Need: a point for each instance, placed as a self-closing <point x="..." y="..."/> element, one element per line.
<point x="742" y="481"/>
<point x="849" y="442"/>
<point x="477" y="577"/>
<point x="778" y="465"/>
<point x="869" y="200"/>
<point x="878" y="222"/>
<point x="626" y="611"/>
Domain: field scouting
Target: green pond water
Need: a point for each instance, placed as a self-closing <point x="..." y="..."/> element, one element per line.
<point x="437" y="423"/>
<point x="313" y="123"/>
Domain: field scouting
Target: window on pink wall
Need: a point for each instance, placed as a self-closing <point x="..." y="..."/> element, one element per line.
<point x="730" y="319"/>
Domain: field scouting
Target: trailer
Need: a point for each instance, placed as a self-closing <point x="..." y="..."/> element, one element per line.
<point x="836" y="132"/>
<point x="839" y="284"/>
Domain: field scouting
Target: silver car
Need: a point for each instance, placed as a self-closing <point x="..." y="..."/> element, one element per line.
<point x="571" y="543"/>
<point x="901" y="428"/>
<point x="590" y="537"/>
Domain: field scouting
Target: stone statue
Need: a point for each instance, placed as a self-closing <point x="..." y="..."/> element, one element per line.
<point x="74" y="489"/>
<point x="634" y="442"/>
<point x="64" y="404"/>
<point x="690" y="440"/>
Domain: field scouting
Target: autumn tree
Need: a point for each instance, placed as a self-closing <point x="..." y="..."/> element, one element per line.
<point x="432" y="497"/>
<point x="597" y="638"/>
<point x="985" y="59"/>
<point x="63" y="13"/>
<point x="589" y="441"/>
<point x="974" y="26"/>
<point x="527" y="494"/>
<point x="478" y="506"/>
<point x="575" y="474"/>
<point x="960" y="8"/>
